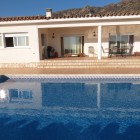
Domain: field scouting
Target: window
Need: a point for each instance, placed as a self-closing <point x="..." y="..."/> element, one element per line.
<point x="16" y="40"/>
<point x="9" y="42"/>
<point x="21" y="41"/>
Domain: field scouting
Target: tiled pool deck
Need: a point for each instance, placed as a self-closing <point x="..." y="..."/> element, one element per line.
<point x="70" y="71"/>
<point x="131" y="66"/>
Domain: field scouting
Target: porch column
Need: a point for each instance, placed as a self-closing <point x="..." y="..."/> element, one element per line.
<point x="99" y="41"/>
<point x="3" y="40"/>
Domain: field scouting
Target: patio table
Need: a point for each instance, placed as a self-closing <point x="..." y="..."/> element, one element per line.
<point x="118" y="51"/>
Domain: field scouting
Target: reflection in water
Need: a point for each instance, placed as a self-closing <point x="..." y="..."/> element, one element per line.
<point x="69" y="95"/>
<point x="78" y="102"/>
<point x="120" y="95"/>
<point x="15" y="95"/>
<point x="4" y="96"/>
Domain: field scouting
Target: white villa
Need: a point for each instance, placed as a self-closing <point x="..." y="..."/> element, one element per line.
<point x="25" y="39"/>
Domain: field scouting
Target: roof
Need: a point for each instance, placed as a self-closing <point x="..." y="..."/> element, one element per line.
<point x="123" y="8"/>
<point x="22" y="18"/>
<point x="39" y="17"/>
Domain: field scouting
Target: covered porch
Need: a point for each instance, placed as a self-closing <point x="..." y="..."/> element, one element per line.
<point x="98" y="42"/>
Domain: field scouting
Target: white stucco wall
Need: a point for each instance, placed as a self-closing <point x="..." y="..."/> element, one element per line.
<point x="23" y="54"/>
<point x="33" y="53"/>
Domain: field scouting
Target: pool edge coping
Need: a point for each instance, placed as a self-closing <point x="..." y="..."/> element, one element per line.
<point x="75" y="76"/>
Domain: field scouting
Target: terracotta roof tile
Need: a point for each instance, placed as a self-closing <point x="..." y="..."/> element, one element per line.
<point x="123" y="8"/>
<point x="39" y="17"/>
<point x="22" y="18"/>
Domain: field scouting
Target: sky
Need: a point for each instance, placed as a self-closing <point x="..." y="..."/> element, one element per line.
<point x="10" y="8"/>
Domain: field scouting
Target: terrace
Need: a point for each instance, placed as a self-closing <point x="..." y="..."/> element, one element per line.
<point x="76" y="65"/>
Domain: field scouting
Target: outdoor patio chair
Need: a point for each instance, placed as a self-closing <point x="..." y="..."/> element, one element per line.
<point x="106" y="50"/>
<point x="91" y="51"/>
<point x="127" y="50"/>
<point x="131" y="49"/>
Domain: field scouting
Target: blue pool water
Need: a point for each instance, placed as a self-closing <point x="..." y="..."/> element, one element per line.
<point x="69" y="109"/>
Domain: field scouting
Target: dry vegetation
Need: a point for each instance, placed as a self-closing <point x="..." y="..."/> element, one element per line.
<point x="124" y="6"/>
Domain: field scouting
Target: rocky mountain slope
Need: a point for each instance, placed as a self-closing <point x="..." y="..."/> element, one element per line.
<point x="124" y="6"/>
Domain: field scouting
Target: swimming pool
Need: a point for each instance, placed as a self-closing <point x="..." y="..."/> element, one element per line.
<point x="70" y="108"/>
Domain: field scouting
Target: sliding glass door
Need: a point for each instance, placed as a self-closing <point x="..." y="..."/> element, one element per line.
<point x="72" y="45"/>
<point x="119" y="42"/>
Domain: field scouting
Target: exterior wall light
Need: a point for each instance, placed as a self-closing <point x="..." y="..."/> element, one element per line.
<point x="53" y="35"/>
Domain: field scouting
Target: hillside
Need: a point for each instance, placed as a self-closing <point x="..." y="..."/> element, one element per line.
<point x="124" y="6"/>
